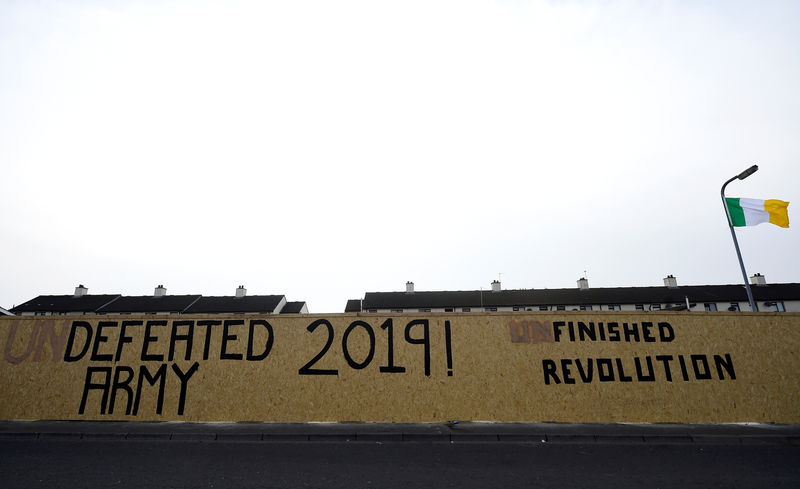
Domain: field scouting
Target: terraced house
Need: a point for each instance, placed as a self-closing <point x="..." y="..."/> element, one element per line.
<point x="783" y="297"/>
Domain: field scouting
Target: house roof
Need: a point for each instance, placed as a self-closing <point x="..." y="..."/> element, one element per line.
<point x="192" y="303"/>
<point x="65" y="303"/>
<point x="149" y="303"/>
<point x="353" y="305"/>
<point x="5" y="312"/>
<point x="574" y="296"/>
<point x="295" y="307"/>
<point x="222" y="304"/>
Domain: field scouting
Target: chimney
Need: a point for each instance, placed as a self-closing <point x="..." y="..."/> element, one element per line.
<point x="495" y="286"/>
<point x="756" y="279"/>
<point x="241" y="291"/>
<point x="409" y="287"/>
<point x="160" y="291"/>
<point x="670" y="282"/>
<point x="81" y="291"/>
<point x="583" y="284"/>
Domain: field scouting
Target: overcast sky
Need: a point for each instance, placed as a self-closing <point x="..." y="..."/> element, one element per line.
<point x="324" y="149"/>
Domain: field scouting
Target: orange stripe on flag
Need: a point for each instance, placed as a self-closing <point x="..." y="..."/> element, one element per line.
<point x="778" y="212"/>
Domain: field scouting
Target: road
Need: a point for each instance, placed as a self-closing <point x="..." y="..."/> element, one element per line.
<point x="196" y="455"/>
<point x="63" y="463"/>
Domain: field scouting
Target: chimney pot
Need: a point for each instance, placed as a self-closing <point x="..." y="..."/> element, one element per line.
<point x="496" y="286"/>
<point x="758" y="279"/>
<point x="241" y="291"/>
<point x="583" y="284"/>
<point x="409" y="287"/>
<point x="81" y="291"/>
<point x="160" y="291"/>
<point x="671" y="282"/>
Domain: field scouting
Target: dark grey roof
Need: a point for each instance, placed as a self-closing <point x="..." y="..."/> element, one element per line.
<point x="295" y="307"/>
<point x="149" y="304"/>
<point x="353" y="305"/>
<point x="65" y="303"/>
<point x="228" y="304"/>
<point x="574" y="296"/>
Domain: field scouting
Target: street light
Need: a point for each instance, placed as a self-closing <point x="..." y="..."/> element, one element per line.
<point x="741" y="176"/>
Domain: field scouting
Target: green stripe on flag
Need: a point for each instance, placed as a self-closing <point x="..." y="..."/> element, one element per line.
<point x="736" y="212"/>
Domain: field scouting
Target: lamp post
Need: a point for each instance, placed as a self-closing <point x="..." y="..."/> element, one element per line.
<point x="740" y="176"/>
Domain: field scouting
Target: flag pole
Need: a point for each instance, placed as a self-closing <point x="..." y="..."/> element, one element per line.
<point x="741" y="176"/>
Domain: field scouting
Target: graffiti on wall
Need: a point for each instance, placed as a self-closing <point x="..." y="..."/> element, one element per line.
<point x="639" y="368"/>
<point x="126" y="360"/>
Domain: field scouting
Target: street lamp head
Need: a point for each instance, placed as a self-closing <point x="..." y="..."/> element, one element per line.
<point x="748" y="172"/>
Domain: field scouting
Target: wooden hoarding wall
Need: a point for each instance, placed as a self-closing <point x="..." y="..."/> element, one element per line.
<point x="564" y="367"/>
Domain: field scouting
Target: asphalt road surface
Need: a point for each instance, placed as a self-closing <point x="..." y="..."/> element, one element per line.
<point x="66" y="461"/>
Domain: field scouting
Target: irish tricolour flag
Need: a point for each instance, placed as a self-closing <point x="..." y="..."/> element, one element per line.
<point x="749" y="212"/>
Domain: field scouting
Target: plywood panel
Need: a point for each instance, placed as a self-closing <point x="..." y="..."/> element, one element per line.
<point x="566" y="367"/>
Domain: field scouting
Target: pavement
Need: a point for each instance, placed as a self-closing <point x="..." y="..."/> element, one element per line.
<point x="463" y="455"/>
<point x="451" y="432"/>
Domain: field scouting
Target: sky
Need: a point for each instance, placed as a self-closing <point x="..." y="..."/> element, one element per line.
<point x="321" y="150"/>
